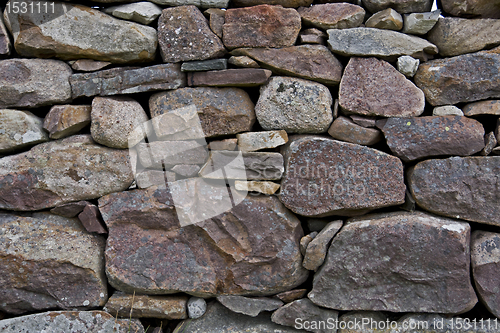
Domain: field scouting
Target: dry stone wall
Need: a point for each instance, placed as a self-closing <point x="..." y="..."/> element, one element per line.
<point x="250" y="166"/>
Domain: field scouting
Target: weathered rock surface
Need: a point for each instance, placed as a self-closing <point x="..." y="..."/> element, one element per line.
<point x="385" y="19"/>
<point x="160" y="154"/>
<point x="243" y="61"/>
<point x="260" y="26"/>
<point x="146" y="306"/>
<point x="447" y="110"/>
<point x="490" y="141"/>
<point x="91" y="219"/>
<point x="143" y="12"/>
<point x="344" y="129"/>
<point x="186" y="170"/>
<point x="400" y="262"/>
<point x="250" y="306"/>
<point x="204" y="65"/>
<point x="20" y="129"/>
<point x="284" y="3"/>
<point x="257" y="186"/>
<point x="483" y="107"/>
<point x="372" y="87"/>
<point x="458" y="187"/>
<point x="88" y="65"/>
<point x="240" y="77"/>
<point x="198" y="3"/>
<point x="420" y="23"/>
<point x="5" y="44"/>
<point x="364" y="121"/>
<point x="332" y="16"/>
<point x="408" y="66"/>
<point x="196" y="307"/>
<point x="317" y="248"/>
<point x="252" y="141"/>
<point x="304" y="241"/>
<point x="216" y="18"/>
<point x="62" y="171"/>
<point x="292" y="295"/>
<point x="312" y="36"/>
<point x="148" y="178"/>
<point x="482" y="8"/>
<point x="226" y="144"/>
<point x="71" y="209"/>
<point x="66" y="120"/>
<point x="401" y="6"/>
<point x="294" y="105"/>
<point x="49" y="261"/>
<point x="328" y="177"/>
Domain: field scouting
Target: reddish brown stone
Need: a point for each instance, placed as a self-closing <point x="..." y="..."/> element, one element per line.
<point x="482" y="108"/>
<point x="312" y="36"/>
<point x="292" y="295"/>
<point x="490" y="141"/>
<point x="333" y="16"/>
<point x="242" y="77"/>
<point x="216" y="18"/>
<point x="401" y="6"/>
<point x="71" y="209"/>
<point x="92" y="220"/>
<point x="472" y="8"/>
<point x="147" y="306"/>
<point x="65" y="120"/>
<point x="344" y="129"/>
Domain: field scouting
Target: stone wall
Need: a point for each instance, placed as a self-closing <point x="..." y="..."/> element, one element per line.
<point x="250" y="166"/>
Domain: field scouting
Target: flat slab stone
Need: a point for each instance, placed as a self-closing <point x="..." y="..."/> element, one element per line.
<point x="482" y="8"/>
<point x="252" y="141"/>
<point x="395" y="258"/>
<point x="292" y="295"/>
<point x="5" y="44"/>
<point x="420" y="23"/>
<point x="312" y="36"/>
<point x="88" y="65"/>
<point x="243" y="61"/>
<point x="147" y="306"/>
<point x="327" y="177"/>
<point x="66" y="120"/>
<point x="332" y="15"/>
<point x="143" y="12"/>
<point x="226" y="144"/>
<point x="204" y="65"/>
<point x="256" y="186"/>
<point x="250" y="306"/>
<point x="344" y="129"/>
<point x="198" y="3"/>
<point x="447" y="110"/>
<point x="20" y="129"/>
<point x="491" y="107"/>
<point x="460" y="187"/>
<point x="401" y="6"/>
<point x="240" y="77"/>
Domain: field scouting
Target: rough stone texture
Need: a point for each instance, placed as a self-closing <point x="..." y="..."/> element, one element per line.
<point x="465" y="78"/>
<point x="20" y="129"/>
<point x="304" y="242"/>
<point x="160" y="154"/>
<point x="48" y="262"/>
<point x="198" y="3"/>
<point x="385" y="19"/>
<point x="294" y="105"/>
<point x="252" y="141"/>
<point x="70" y="321"/>
<point x="490" y="141"/>
<point x="420" y="23"/>
<point x="216" y="18"/>
<point x="71" y="209"/>
<point x="256" y="186"/>
<point x="186" y="170"/>
<point x="447" y="110"/>
<point x="284" y="3"/>
<point x="146" y="306"/>
<point x="143" y="12"/>
<point x="317" y="248"/>
<point x="243" y="61"/>
<point x="91" y="219"/>
<point x="458" y="187"/>
<point x="88" y="65"/>
<point x="33" y="82"/>
<point x="311" y="38"/>
<point x="5" y="44"/>
<point x="408" y="66"/>
<point x="419" y="137"/>
<point x="241" y="77"/>
<point x="128" y="80"/>
<point x="344" y="129"/>
<point x="482" y="8"/>
<point x="385" y="44"/>
<point x="150" y="178"/>
<point x="372" y="87"/>
<point x="364" y="121"/>
<point x="332" y="16"/>
<point x="76" y="32"/>
<point x="63" y="171"/>
<point x="358" y="316"/>
<point x="221" y="111"/>
<point x="204" y="65"/>
<point x="196" y="307"/>
<point x="292" y="295"/>
<point x="401" y="6"/>
<point x="402" y="262"/>
<point x="310" y="62"/>
<point x="226" y="144"/>
<point x="328" y="177"/>
<point x="483" y="107"/>
<point x="184" y="35"/>
<point x="250" y="306"/>
<point x="260" y="26"/>
<point x="66" y="120"/>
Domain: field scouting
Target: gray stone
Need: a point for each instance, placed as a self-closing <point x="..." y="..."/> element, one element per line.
<point x="482" y="108"/>
<point x="408" y="66"/>
<point x="160" y="154"/>
<point x="401" y="6"/>
<point x="420" y="23"/>
<point x="216" y="19"/>
<point x="243" y="61"/>
<point x="143" y="12"/>
<point x="204" y="65"/>
<point x="250" y="306"/>
<point x="20" y="129"/>
<point x="385" y="19"/>
<point x="148" y="178"/>
<point x="481" y="8"/>
<point x="226" y="144"/>
<point x="146" y="306"/>
<point x="252" y="141"/>
<point x="294" y="105"/>
<point x="5" y="44"/>
<point x="256" y="186"/>
<point x="292" y="295"/>
<point x="447" y="110"/>
<point x="198" y="3"/>
<point x="332" y="15"/>
<point x="66" y="120"/>
<point x="88" y="65"/>
<point x="490" y="141"/>
<point x="196" y="307"/>
<point x="317" y="248"/>
<point x="186" y="170"/>
<point x="344" y="129"/>
<point x="240" y="77"/>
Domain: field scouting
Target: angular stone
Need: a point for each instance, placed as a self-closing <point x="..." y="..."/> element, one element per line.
<point x="143" y="12"/>
<point x="420" y="137"/>
<point x="401" y="6"/>
<point x="226" y="144"/>
<point x="398" y="269"/>
<point x="292" y="295"/>
<point x="66" y="120"/>
<point x="146" y="306"/>
<point x="312" y="36"/>
<point x="459" y="187"/>
<point x="464" y="78"/>
<point x="5" y="44"/>
<point x="260" y="26"/>
<point x="196" y="307"/>
<point x="385" y="44"/>
<point x="49" y="261"/>
<point x="408" y="66"/>
<point x="284" y="3"/>
<point x="304" y="241"/>
<point x="186" y="170"/>
<point x="310" y="62"/>
<point x="88" y="65"/>
<point x="63" y="171"/>
<point x="127" y="80"/>
<point x="76" y="32"/>
<point x="204" y="65"/>
<point x="20" y="129"/>
<point x="243" y="61"/>
<point x="372" y="87"/>
<point x="198" y="3"/>
<point x="344" y="129"/>
<point x="184" y="35"/>
<point x="160" y="154"/>
<point x="337" y="178"/>
<point x="332" y="16"/>
<point x="420" y="23"/>
<point x="482" y="8"/>
<point x="447" y="110"/>
<point x="92" y="220"/>
<point x="255" y="186"/>
<point x="252" y="141"/>
<point x="294" y="105"/>
<point x="250" y="306"/>
<point x="71" y="209"/>
<point x="385" y="19"/>
<point x="482" y="108"/>
<point x="33" y="82"/>
<point x="241" y="77"/>
<point x="364" y="121"/>
<point x="221" y="111"/>
<point x="317" y="248"/>
<point x="216" y="18"/>
<point x="150" y="178"/>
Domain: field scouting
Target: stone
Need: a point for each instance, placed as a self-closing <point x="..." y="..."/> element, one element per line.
<point x="332" y="16"/>
<point x="482" y="108"/>
<point x="196" y="307"/>
<point x="260" y="26"/>
<point x="316" y="250"/>
<point x="284" y="3"/>
<point x="243" y="61"/>
<point x="63" y="171"/>
<point x="221" y="111"/>
<point x="373" y="87"/>
<point x="252" y="141"/>
<point x="294" y="105"/>
<point x="385" y="19"/>
<point x="148" y="178"/>
<point x="447" y="110"/>
<point x="420" y="23"/>
<point x="70" y="321"/>
<point x="310" y="62"/>
<point x="70" y="209"/>
<point x="369" y="317"/>
<point x="268" y="188"/>
<point x="92" y="220"/>
<point x="66" y="120"/>
<point x="384" y="44"/>
<point x="464" y="78"/>
<point x="184" y="35"/>
<point x="115" y="119"/>
<point x="198" y="3"/>
<point x="337" y="178"/>
<point x="160" y="154"/>
<point x="397" y="270"/>
<point x="312" y="36"/>
<point x="420" y="137"/>
<point x="186" y="170"/>
<point x="481" y="8"/>
<point x="401" y="6"/>
<point x="204" y="65"/>
<point x="249" y="306"/>
<point x="216" y="18"/>
<point x="458" y="187"/>
<point x="5" y="44"/>
<point x="408" y="66"/>
<point x="344" y="129"/>
<point x="146" y="306"/>
<point x="127" y="80"/>
<point x="364" y="121"/>
<point x="307" y="313"/>
<point x="304" y="242"/>
<point x="33" y="82"/>
<point x="435" y="323"/>
<point x="88" y="65"/>
<point x="255" y="166"/>
<point x="49" y="261"/>
<point x="143" y="12"/>
<point x="77" y="32"/>
<point x="240" y="77"/>
<point x="292" y="295"/>
<point x="226" y="144"/>
<point x="497" y="130"/>
<point x="216" y="256"/>
<point x="20" y="129"/>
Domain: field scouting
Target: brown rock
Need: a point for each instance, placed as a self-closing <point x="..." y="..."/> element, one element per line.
<point x="309" y="313"/>
<point x="216" y="19"/>
<point x="482" y="8"/>
<point x="385" y="19"/>
<point x="256" y="186"/>
<point x="5" y="45"/>
<point x="284" y="3"/>
<point x="92" y="220"/>
<point x="372" y="87"/>
<point x="332" y="16"/>
<point x="490" y="141"/>
<point x="458" y="187"/>
<point x="337" y="178"/>
<point x="243" y="61"/>
<point x="401" y="6"/>
<point x="344" y="129"/>
<point x="304" y="241"/>
<point x="363" y="121"/>
<point x="317" y="248"/>
<point x="146" y="306"/>
<point x="292" y="295"/>
<point x="312" y="36"/>
<point x="226" y="144"/>
<point x="71" y="209"/>
<point x="244" y="77"/>
<point x="482" y="107"/>
<point x="66" y="120"/>
<point x="20" y="129"/>
<point x="250" y="306"/>
<point x="88" y="65"/>
<point x="419" y="137"/>
<point x="261" y="26"/>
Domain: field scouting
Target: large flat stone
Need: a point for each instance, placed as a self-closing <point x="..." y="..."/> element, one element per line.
<point x="147" y="306"/>
<point x="5" y="44"/>
<point x="252" y="141"/>
<point x="20" y="129"/>
<point x="401" y="6"/>
<point x="481" y="8"/>
<point x="399" y="262"/>
<point x="65" y="120"/>
<point x="332" y="15"/>
<point x="482" y="108"/>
